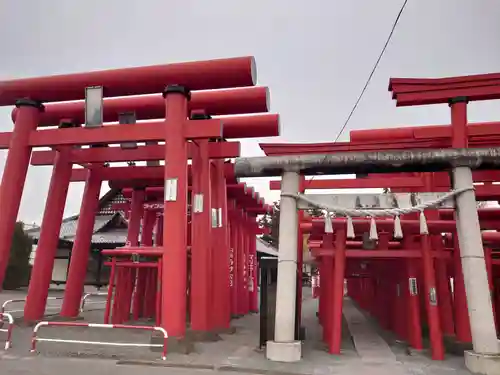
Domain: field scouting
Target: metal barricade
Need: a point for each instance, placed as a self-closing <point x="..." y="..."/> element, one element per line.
<point x="4" y="305"/>
<point x="36" y="339"/>
<point x="8" y="330"/>
<point x="88" y="295"/>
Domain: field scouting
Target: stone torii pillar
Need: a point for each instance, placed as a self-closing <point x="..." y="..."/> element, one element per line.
<point x="285" y="348"/>
<point x="485" y="356"/>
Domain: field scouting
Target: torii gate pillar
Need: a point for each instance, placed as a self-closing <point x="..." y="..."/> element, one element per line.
<point x="284" y="348"/>
<point x="485" y="357"/>
<point x="14" y="175"/>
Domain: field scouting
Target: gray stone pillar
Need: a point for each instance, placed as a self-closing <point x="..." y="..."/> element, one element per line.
<point x="284" y="348"/>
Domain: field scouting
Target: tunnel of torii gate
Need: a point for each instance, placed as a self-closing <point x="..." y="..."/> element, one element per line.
<point x="409" y="272"/>
<point x="205" y="219"/>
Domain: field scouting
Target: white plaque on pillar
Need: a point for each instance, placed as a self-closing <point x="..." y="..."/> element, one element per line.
<point x="433" y="296"/>
<point x="413" y="286"/>
<point x="93" y="106"/>
<point x="171" y="190"/>
<point x="214" y="218"/>
<point x="219" y="217"/>
<point x="198" y="203"/>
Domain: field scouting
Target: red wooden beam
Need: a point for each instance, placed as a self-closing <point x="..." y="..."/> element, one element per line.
<point x="358" y="183"/>
<point x="127" y="251"/>
<point x="151" y="107"/>
<point x="220" y="150"/>
<point x="485" y="134"/>
<point x="121" y="173"/>
<point x="443" y="81"/>
<point x="428" y="132"/>
<point x="267" y="125"/>
<point x="402" y="184"/>
<point x="379" y="253"/>
<point x="198" y="75"/>
<point x="387" y="225"/>
<point x="432" y="91"/>
<point x="138" y="183"/>
<point x="271" y="149"/>
<point x="152" y="131"/>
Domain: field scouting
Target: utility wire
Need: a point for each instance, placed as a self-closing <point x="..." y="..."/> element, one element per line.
<point x="375" y="66"/>
<point x="372" y="72"/>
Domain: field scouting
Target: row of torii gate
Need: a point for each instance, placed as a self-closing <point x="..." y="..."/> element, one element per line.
<point x="205" y="219"/>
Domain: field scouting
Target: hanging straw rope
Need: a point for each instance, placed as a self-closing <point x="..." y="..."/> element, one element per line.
<point x="374" y="213"/>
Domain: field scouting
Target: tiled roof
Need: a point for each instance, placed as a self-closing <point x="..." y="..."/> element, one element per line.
<point x="68" y="226"/>
<point x="266" y="248"/>
<point x="104" y="216"/>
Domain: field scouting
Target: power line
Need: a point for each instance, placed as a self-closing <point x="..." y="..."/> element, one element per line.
<point x="372" y="72"/>
<point x="375" y="66"/>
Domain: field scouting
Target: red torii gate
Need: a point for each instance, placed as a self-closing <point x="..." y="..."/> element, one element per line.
<point x="265" y="125"/>
<point x="175" y="81"/>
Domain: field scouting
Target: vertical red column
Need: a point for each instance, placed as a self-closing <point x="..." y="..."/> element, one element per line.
<point x="146" y="287"/>
<point x="136" y="210"/>
<point x="147" y="228"/>
<point x="442" y="281"/>
<point x="245" y="242"/>
<point x="414" y="323"/>
<point x="431" y="302"/>
<point x="326" y="287"/>
<point x="201" y="262"/>
<point x="159" y="230"/>
<point x="232" y="259"/>
<point x="443" y="288"/>
<point x="134" y="229"/>
<point x="174" y="260"/>
<point x="221" y="248"/>
<point x="338" y="291"/>
<point x="41" y="273"/>
<point x="246" y="239"/>
<point x="81" y="246"/>
<point x="321" y="291"/>
<point x="240" y="285"/>
<point x="253" y="267"/>
<point x="111" y="288"/>
<point x="223" y="233"/>
<point x="14" y="175"/>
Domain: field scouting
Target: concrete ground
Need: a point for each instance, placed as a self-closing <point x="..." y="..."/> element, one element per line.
<point x="365" y="352"/>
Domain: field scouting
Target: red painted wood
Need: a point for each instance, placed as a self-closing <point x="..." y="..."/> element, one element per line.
<point x="220" y="150"/>
<point x="197" y="75"/>
<point x="151" y="107"/>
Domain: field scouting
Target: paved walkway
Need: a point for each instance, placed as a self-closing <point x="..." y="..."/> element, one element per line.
<point x="368" y="343"/>
<point x="234" y="353"/>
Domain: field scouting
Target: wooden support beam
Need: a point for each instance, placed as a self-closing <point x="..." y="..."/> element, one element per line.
<point x="220" y="150"/>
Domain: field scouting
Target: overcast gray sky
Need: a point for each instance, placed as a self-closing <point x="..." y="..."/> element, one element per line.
<point x="314" y="55"/>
